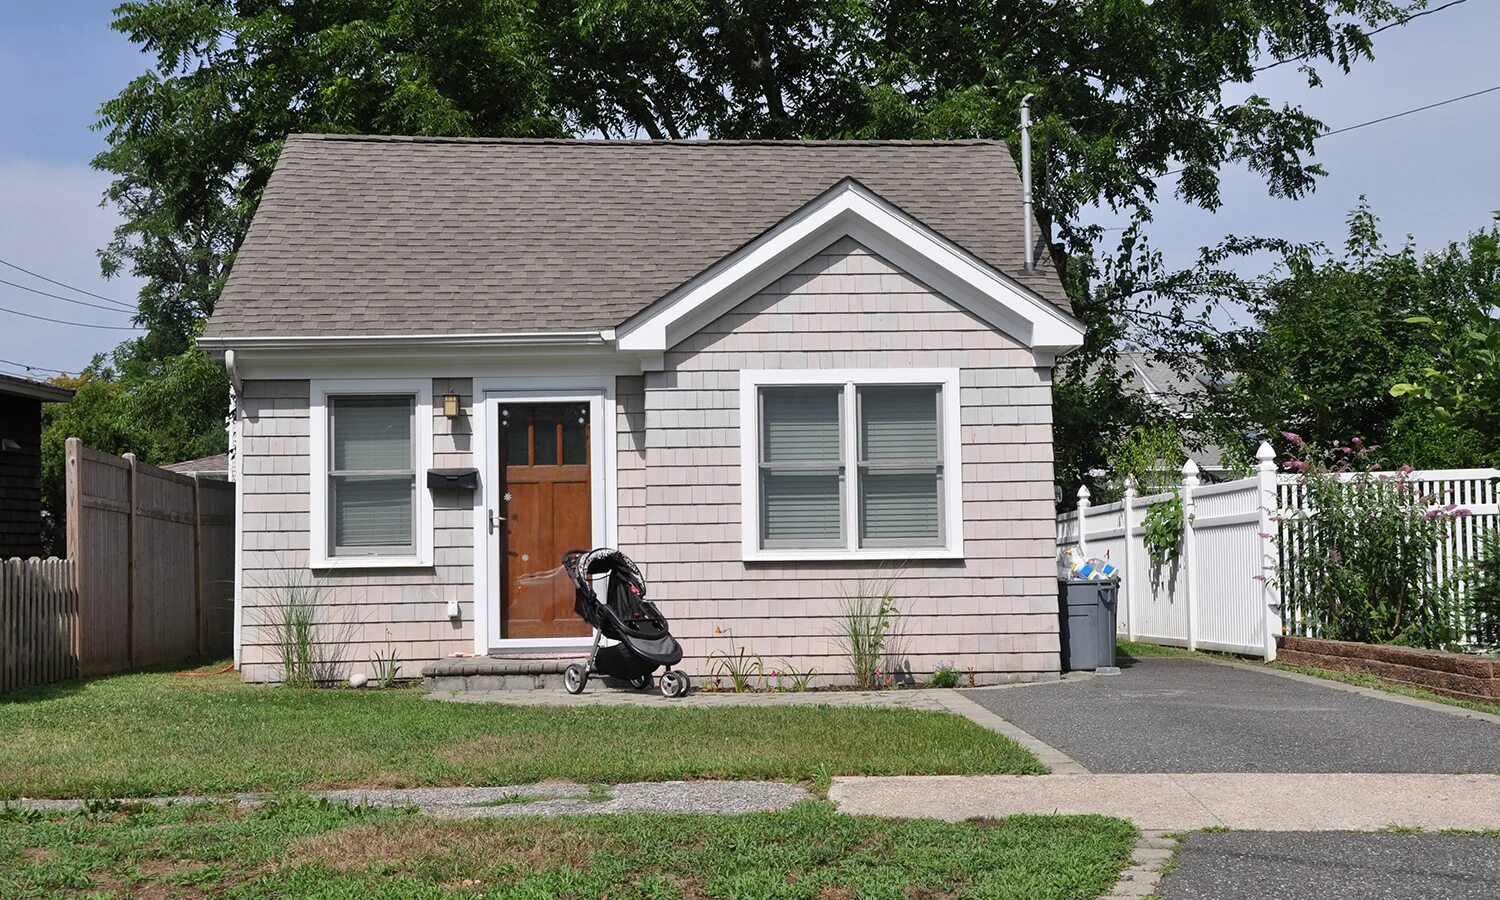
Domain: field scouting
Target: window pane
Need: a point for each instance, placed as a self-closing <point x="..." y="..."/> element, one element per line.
<point x="800" y="508"/>
<point x="898" y="423"/>
<point x="372" y="433"/>
<point x="575" y="435"/>
<point x="800" y="424"/>
<point x="899" y="507"/>
<point x="372" y="511"/>
<point x="544" y="422"/>
<point x="516" y="439"/>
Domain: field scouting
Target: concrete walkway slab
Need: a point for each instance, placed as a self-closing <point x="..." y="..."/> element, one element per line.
<point x="555" y="798"/>
<point x="1187" y="802"/>
<point x="1187" y="715"/>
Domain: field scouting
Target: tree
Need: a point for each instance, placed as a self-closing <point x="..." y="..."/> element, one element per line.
<point x="1127" y="93"/>
<point x="163" y="411"/>
<point x="1392" y="347"/>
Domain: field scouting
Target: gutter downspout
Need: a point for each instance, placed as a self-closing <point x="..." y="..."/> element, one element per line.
<point x="1026" y="224"/>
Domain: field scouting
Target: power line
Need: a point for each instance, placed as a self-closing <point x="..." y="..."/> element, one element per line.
<point x="1405" y="112"/>
<point x="31" y="368"/>
<point x="1371" y="33"/>
<point x="62" y="298"/>
<point x="70" y="287"/>
<point x="16" y="312"/>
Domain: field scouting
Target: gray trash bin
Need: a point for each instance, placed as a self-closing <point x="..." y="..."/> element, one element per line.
<point x="1087" y="613"/>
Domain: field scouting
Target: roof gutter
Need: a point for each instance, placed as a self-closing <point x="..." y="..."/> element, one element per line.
<point x="411" y="341"/>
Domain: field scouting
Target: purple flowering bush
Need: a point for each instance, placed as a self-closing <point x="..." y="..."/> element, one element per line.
<point x="1359" y="560"/>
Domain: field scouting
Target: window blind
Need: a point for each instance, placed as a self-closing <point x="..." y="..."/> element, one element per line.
<point x="801" y="467"/>
<point x="900" y="476"/>
<point x="372" y="479"/>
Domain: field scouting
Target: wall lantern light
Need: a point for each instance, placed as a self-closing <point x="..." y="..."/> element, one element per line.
<point x="450" y="405"/>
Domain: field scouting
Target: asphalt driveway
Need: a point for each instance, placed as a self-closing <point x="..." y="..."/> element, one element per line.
<point x="1186" y="715"/>
<point x="1290" y="865"/>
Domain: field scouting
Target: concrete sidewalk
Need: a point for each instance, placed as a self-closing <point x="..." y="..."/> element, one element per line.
<point x="1186" y="802"/>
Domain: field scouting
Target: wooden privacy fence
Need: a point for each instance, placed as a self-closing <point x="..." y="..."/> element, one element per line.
<point x="1221" y="594"/>
<point x="154" y="557"/>
<point x="38" y="622"/>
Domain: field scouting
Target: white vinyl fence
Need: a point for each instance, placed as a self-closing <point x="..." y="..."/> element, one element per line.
<point x="1221" y="593"/>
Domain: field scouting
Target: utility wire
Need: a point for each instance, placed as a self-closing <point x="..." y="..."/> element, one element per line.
<point x="28" y="368"/>
<point x="17" y="312"/>
<point x="1405" y="112"/>
<point x="1371" y="33"/>
<point x="64" y="299"/>
<point x="130" y="306"/>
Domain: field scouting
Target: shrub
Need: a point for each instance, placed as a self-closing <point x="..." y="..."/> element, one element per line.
<point x="945" y="677"/>
<point x="308" y="647"/>
<point x="1360" y="563"/>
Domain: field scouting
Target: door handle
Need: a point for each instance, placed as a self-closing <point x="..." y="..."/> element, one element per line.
<point x="495" y="521"/>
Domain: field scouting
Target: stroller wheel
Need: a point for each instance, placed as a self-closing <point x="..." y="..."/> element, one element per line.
<point x="674" y="684"/>
<point x="574" y="679"/>
<point x="641" y="682"/>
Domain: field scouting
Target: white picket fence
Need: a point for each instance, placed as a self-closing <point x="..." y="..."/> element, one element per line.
<point x="1221" y="593"/>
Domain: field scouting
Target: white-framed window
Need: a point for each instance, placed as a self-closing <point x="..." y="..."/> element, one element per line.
<point x="370" y="447"/>
<point x="839" y="464"/>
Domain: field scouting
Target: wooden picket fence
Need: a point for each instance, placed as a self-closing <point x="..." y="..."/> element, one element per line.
<point x="38" y="622"/>
<point x="149" y="578"/>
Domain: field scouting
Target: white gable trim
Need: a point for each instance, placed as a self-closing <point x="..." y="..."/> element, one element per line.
<point x="852" y="210"/>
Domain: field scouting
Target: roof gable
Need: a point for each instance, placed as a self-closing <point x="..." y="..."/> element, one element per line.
<point x="849" y="209"/>
<point x="391" y="237"/>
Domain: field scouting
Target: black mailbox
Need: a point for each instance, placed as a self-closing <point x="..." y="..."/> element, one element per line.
<point x="453" y="479"/>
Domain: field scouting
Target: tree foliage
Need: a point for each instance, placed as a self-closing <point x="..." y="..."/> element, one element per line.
<point x="1128" y="95"/>
<point x="1333" y="335"/>
<point x="1126" y="91"/>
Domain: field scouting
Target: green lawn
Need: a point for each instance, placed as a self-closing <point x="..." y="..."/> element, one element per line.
<point x="155" y="734"/>
<point x="298" y="848"/>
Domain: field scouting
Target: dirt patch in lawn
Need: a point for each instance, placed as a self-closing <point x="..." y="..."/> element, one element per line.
<point x="37" y="855"/>
<point x="379" y="846"/>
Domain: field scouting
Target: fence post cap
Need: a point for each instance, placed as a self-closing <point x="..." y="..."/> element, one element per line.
<point x="1190" y="469"/>
<point x="1265" y="455"/>
<point x="1130" y="484"/>
<point x="1083" y="492"/>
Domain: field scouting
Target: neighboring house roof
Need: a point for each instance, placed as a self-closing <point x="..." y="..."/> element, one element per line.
<point x="1169" y="388"/>
<point x="208" y="466"/>
<point x="367" y="236"/>
<point x="35" y="390"/>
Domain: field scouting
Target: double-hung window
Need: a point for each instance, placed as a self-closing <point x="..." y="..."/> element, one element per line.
<point x="370" y="447"/>
<point x="851" y="464"/>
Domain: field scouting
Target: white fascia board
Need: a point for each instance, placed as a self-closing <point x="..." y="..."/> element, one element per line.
<point x="853" y="211"/>
<point x="408" y="342"/>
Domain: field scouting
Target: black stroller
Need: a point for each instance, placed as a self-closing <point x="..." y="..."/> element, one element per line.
<point x="625" y="615"/>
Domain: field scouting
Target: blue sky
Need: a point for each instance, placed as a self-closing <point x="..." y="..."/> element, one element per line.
<point x="1432" y="175"/>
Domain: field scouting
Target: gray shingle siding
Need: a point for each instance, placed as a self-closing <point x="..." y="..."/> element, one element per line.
<point x="995" y="610"/>
<point x="363" y="607"/>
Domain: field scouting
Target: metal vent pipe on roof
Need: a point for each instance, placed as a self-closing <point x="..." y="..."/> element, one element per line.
<point x="1026" y="223"/>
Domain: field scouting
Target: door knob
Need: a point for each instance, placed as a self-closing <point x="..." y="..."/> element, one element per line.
<point x="495" y="521"/>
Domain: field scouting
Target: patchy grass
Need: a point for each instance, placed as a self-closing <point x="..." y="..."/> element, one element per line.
<point x="1360" y="679"/>
<point x="301" y="848"/>
<point x="1148" y="651"/>
<point x="154" y="734"/>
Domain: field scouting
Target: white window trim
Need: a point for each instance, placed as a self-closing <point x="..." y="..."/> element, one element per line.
<point x="320" y="391"/>
<point x="752" y="380"/>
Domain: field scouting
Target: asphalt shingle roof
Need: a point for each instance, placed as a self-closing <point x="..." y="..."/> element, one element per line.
<point x="388" y="236"/>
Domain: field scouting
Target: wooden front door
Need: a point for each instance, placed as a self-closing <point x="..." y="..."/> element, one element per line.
<point x="547" y="504"/>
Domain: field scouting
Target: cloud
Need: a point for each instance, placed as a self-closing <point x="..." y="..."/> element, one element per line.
<point x="51" y="223"/>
